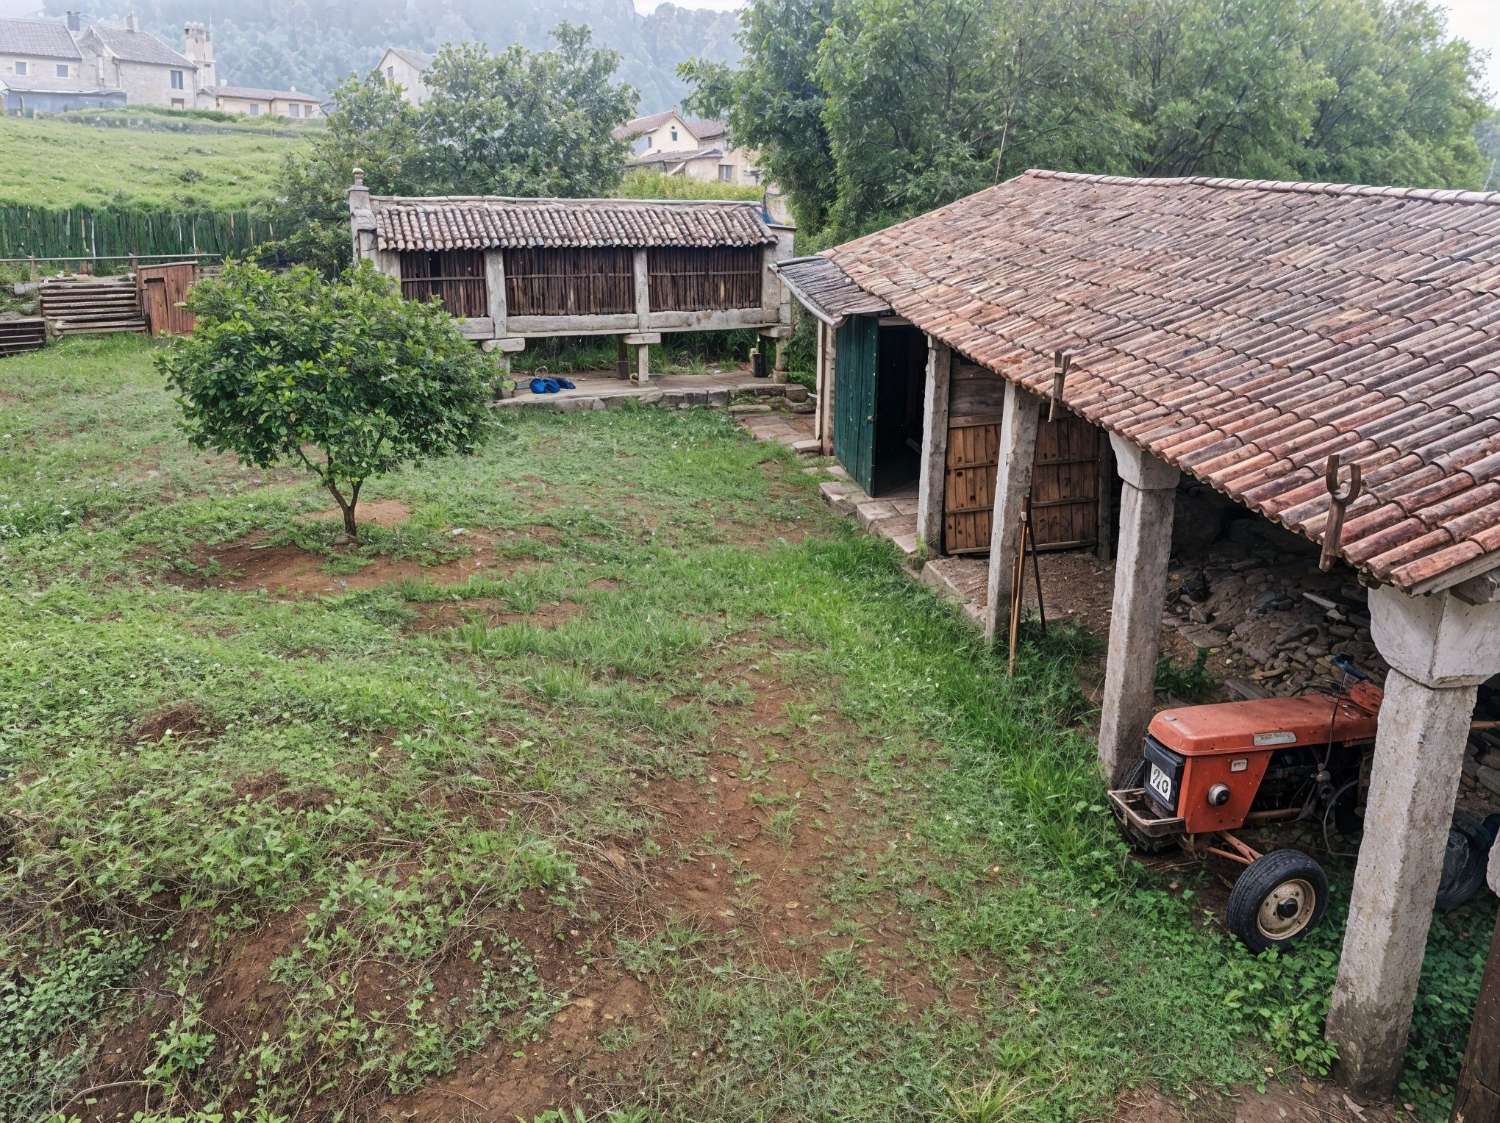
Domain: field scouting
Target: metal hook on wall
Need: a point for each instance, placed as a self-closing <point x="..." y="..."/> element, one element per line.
<point x="1338" y="502"/>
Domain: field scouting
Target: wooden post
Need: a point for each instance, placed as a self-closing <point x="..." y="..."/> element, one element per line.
<point x="830" y="389"/>
<point x="642" y="289"/>
<point x="932" y="480"/>
<point x="819" y="327"/>
<point x="1478" y="1097"/>
<point x="494" y="285"/>
<point x="622" y="358"/>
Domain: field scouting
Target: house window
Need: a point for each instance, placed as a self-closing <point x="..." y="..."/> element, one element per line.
<point x="726" y="173"/>
<point x="21" y="70"/>
<point x="255" y="109"/>
<point x="178" y="103"/>
<point x="674" y="132"/>
<point x="294" y="110"/>
<point x="62" y="70"/>
<point x="177" y="80"/>
<point x="390" y="74"/>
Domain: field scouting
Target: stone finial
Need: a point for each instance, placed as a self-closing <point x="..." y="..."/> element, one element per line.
<point x="359" y="177"/>
<point x="359" y="194"/>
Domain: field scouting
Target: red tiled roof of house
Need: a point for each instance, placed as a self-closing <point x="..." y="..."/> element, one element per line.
<point x="442" y="223"/>
<point x="1243" y="331"/>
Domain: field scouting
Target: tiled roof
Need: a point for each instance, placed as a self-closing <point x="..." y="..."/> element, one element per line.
<point x="139" y="46"/>
<point x="639" y="125"/>
<point x="419" y="60"/>
<point x="1242" y="331"/>
<point x="39" y="38"/>
<point x="253" y="93"/>
<point x="826" y="290"/>
<point x="483" y="223"/>
<point x="680" y="156"/>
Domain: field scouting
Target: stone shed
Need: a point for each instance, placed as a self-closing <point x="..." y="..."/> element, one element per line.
<point x="510" y="270"/>
<point x="1243" y="334"/>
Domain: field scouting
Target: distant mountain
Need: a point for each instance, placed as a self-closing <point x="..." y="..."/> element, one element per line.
<point x="315" y="44"/>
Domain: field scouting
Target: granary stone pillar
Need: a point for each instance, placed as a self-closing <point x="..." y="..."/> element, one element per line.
<point x="1018" y="426"/>
<point x="1148" y="488"/>
<point x="1439" y="649"/>
<point x="934" y="463"/>
<point x="827" y="393"/>
<point x="622" y="358"/>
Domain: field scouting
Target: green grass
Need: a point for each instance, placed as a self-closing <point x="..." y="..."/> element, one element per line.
<point x="544" y="818"/>
<point x="53" y="162"/>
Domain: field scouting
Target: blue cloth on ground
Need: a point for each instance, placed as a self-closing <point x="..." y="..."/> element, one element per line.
<point x="544" y="386"/>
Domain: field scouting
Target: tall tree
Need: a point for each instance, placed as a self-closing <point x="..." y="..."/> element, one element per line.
<point x="524" y="122"/>
<point x="920" y="101"/>
<point x="518" y="123"/>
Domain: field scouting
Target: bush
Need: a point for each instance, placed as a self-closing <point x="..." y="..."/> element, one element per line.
<point x="283" y="364"/>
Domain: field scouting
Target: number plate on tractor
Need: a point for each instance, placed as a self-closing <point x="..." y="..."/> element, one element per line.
<point x="1164" y="770"/>
<point x="1161" y="786"/>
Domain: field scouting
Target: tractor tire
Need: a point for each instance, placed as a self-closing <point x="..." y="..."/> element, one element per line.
<point x="1277" y="900"/>
<point x="1138" y="842"/>
<point x="1465" y="863"/>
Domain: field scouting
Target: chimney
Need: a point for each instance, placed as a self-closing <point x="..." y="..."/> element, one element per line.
<point x="198" y="45"/>
<point x="130" y="20"/>
<point x="75" y="22"/>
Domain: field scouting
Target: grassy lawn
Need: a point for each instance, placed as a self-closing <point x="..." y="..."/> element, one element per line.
<point x="54" y="162"/>
<point x="609" y="772"/>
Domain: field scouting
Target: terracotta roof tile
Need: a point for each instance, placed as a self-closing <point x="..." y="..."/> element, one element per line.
<point x="1243" y="331"/>
<point x="473" y="223"/>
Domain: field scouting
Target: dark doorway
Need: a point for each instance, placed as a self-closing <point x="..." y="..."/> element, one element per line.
<point x="902" y="366"/>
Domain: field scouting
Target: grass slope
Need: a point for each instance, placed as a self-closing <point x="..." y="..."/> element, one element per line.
<point x="610" y="771"/>
<point x="53" y="162"/>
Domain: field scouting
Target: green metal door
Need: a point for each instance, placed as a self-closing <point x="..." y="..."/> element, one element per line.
<point x="858" y="343"/>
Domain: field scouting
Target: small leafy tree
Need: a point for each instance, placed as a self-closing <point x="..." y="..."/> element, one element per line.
<point x="341" y="376"/>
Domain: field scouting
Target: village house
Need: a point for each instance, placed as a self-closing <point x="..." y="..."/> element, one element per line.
<point x="42" y="70"/>
<point x="1266" y="340"/>
<point x="693" y="147"/>
<point x="253" y="102"/>
<point x="510" y="270"/>
<point x="49" y="66"/>
<point x="404" y="68"/>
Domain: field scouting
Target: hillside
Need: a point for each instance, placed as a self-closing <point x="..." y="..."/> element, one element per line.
<point x="315" y="44"/>
<point x="55" y="162"/>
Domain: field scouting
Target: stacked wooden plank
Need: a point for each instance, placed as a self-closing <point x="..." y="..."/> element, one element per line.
<point x="90" y="305"/>
<point x="20" y="335"/>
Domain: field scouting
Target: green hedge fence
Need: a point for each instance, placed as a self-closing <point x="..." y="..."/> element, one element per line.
<point x="84" y="231"/>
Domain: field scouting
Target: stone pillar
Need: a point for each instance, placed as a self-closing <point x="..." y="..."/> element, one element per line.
<point x="818" y="381"/>
<point x="622" y="358"/>
<point x="778" y="369"/>
<point x="1012" y="486"/>
<point x="643" y="363"/>
<point x="1146" y="497"/>
<point x="934" y="463"/>
<point x="1439" y="650"/>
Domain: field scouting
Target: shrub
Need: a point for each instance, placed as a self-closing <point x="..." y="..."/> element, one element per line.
<point x="342" y="376"/>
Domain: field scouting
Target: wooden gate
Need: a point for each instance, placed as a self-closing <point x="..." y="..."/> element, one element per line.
<point x="854" y="398"/>
<point x="1064" y="485"/>
<point x="161" y="289"/>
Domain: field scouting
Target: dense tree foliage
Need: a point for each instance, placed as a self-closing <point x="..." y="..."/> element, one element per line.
<point x="343" y="377"/>
<point x="872" y="109"/>
<point x="517" y="123"/>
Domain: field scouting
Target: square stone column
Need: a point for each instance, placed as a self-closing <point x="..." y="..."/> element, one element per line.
<point x="1439" y="650"/>
<point x="934" y="464"/>
<point x="827" y="396"/>
<point x="1148" y="489"/>
<point x="1018" y="425"/>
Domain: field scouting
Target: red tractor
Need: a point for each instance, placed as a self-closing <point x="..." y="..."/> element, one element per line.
<point x="1210" y="771"/>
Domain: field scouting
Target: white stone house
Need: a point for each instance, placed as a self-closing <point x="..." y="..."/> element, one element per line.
<point x="693" y="147"/>
<point x="404" y="67"/>
<point x="252" y="101"/>
<point x="140" y="64"/>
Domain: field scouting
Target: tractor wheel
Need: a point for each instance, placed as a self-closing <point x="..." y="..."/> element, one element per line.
<point x="1278" y="899"/>
<point x="1140" y="843"/>
<point x="1464" y="863"/>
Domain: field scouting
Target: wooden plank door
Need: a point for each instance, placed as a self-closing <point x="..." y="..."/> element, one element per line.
<point x="1065" y="484"/>
<point x="854" y="398"/>
<point x="969" y="487"/>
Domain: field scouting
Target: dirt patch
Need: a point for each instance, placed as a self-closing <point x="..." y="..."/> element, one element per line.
<point x="1301" y="1102"/>
<point x="371" y="512"/>
<point x="254" y="564"/>
<point x="183" y="722"/>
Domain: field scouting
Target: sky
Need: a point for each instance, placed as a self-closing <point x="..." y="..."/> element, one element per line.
<point x="1478" y="21"/>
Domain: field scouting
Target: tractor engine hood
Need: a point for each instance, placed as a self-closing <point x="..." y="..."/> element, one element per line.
<point x="1263" y="724"/>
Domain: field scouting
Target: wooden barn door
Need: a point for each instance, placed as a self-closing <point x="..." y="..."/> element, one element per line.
<point x="969" y="487"/>
<point x="160" y="290"/>
<point x="854" y="399"/>
<point x="1064" y="485"/>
